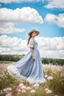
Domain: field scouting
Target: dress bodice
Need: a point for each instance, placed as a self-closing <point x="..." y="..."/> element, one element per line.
<point x="33" y="43"/>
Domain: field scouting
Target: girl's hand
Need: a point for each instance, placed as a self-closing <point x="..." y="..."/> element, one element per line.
<point x="33" y="57"/>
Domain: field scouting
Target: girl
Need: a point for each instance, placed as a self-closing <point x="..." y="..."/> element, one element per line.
<point x="30" y="67"/>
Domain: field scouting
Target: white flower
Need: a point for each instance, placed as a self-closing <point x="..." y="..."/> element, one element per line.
<point x="23" y="87"/>
<point x="23" y="91"/>
<point x="9" y="89"/>
<point x="46" y="89"/>
<point x="45" y="76"/>
<point x="28" y="88"/>
<point x="32" y="91"/>
<point x="36" y="85"/>
<point x="6" y="90"/>
<point x="9" y="94"/>
<point x="21" y="84"/>
<point x="55" y="95"/>
<point x="49" y="91"/>
<point x="50" y="78"/>
<point x="19" y="90"/>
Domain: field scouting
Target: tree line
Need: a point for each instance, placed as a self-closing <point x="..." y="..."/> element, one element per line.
<point x="16" y="57"/>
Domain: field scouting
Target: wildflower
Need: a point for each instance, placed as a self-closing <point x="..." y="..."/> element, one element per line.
<point x="23" y="91"/>
<point x="28" y="88"/>
<point x="50" y="78"/>
<point x="32" y="91"/>
<point x="49" y="91"/>
<point x="36" y="85"/>
<point x="23" y="87"/>
<point x="19" y="90"/>
<point x="9" y="89"/>
<point x="6" y="90"/>
<point x="46" y="76"/>
<point x="21" y="84"/>
<point x="9" y="94"/>
<point x="55" y="95"/>
<point x="46" y="89"/>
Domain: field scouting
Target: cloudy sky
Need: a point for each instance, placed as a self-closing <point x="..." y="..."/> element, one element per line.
<point x="18" y="17"/>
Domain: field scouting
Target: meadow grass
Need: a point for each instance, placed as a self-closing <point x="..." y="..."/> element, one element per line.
<point x="6" y="62"/>
<point x="54" y="86"/>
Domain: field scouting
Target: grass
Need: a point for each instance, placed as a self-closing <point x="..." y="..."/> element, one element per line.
<point x="55" y="83"/>
<point x="6" y="80"/>
<point x="6" y="62"/>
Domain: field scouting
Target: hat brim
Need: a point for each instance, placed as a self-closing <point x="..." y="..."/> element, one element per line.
<point x="33" y="31"/>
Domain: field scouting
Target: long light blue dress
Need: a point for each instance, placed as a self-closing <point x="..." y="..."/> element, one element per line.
<point x="28" y="69"/>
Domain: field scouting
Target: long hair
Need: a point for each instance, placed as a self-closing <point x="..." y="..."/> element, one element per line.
<point x="29" y="37"/>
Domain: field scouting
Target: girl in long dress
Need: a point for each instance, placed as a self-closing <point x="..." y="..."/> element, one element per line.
<point x="29" y="68"/>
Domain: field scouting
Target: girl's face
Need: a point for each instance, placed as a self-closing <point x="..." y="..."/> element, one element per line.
<point x="34" y="34"/>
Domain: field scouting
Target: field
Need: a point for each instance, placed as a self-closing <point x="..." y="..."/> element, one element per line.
<point x="54" y="86"/>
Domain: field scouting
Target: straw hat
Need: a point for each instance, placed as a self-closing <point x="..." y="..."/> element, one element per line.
<point x="37" y="32"/>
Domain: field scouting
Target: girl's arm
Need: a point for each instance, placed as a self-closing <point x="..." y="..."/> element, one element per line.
<point x="32" y="52"/>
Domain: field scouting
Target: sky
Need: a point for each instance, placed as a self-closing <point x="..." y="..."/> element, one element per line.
<point x="18" y="17"/>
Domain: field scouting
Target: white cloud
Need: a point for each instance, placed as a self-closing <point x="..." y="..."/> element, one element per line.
<point x="59" y="19"/>
<point x="7" y="28"/>
<point x="51" y="47"/>
<point x="48" y="47"/>
<point x="9" y="1"/>
<point x="18" y="1"/>
<point x="23" y="15"/>
<point x="55" y="4"/>
<point x="55" y="43"/>
<point x="12" y="45"/>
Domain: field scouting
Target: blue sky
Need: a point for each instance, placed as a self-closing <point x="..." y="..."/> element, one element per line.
<point x="18" y="17"/>
<point x="46" y="29"/>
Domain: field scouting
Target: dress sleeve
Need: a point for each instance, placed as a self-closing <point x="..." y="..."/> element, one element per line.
<point x="31" y="43"/>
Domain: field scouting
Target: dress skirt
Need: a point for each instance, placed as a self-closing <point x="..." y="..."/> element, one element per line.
<point x="28" y="69"/>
